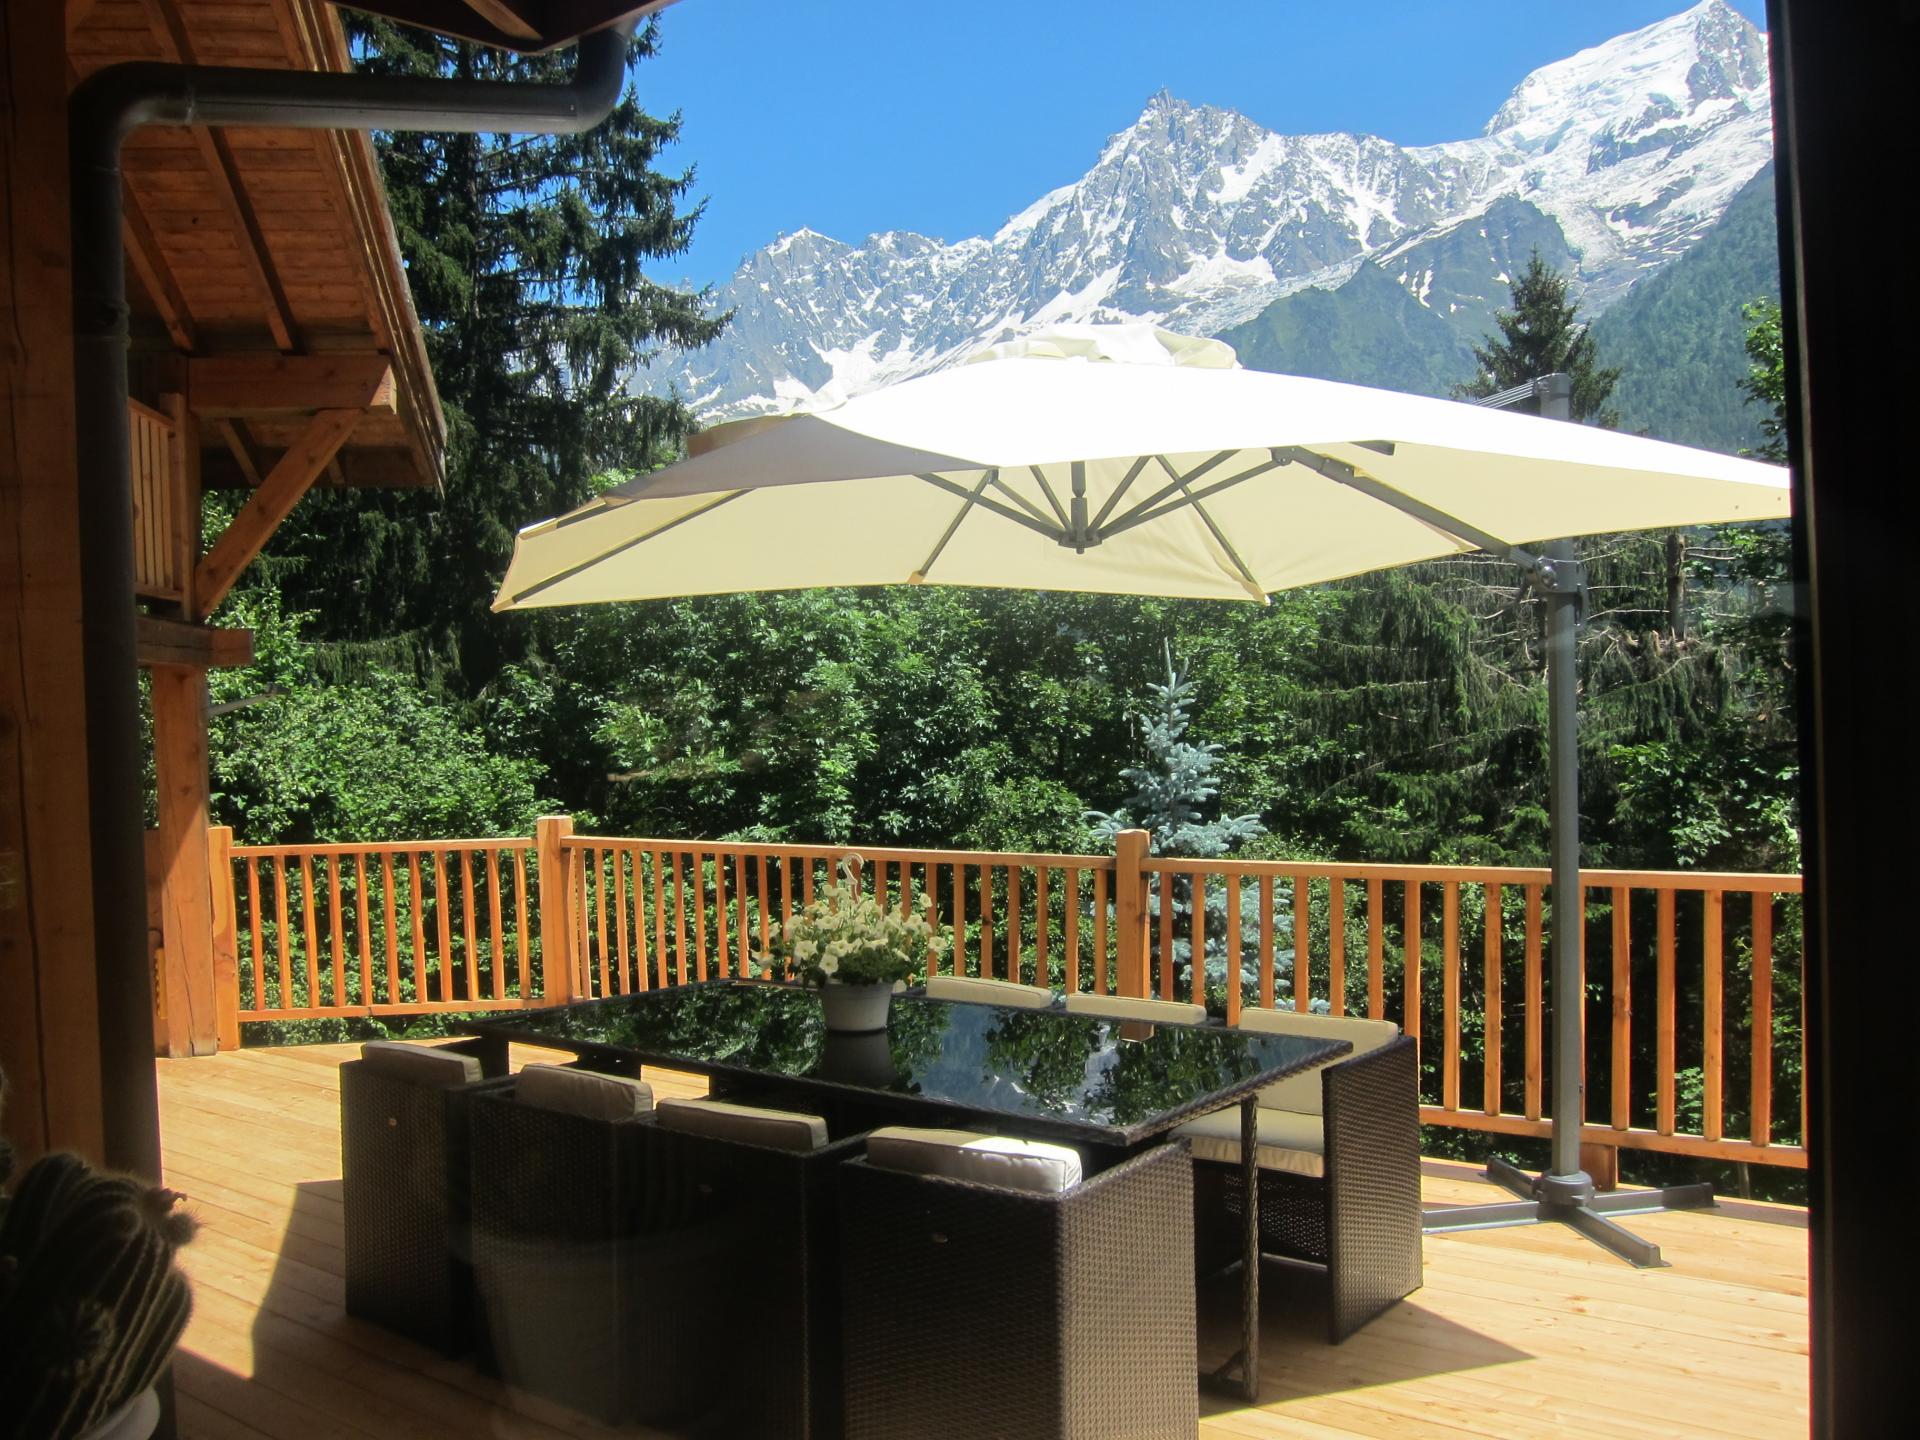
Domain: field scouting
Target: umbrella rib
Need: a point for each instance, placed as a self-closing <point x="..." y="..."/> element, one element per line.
<point x="1133" y="474"/>
<point x="1025" y="504"/>
<point x="1450" y="526"/>
<point x="624" y="545"/>
<point x="972" y="499"/>
<point x="1142" y="513"/>
<point x="1246" y="575"/>
<point x="1059" y="512"/>
<point x="986" y="502"/>
<point x="1132" y="517"/>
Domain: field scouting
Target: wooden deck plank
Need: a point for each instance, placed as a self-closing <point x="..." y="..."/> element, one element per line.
<point x="1516" y="1330"/>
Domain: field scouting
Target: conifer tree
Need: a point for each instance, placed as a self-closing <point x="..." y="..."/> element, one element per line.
<point x="1543" y="335"/>
<point x="527" y="258"/>
<point x="1173" y="790"/>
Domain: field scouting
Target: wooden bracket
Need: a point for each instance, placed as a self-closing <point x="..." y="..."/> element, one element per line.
<point x="227" y="386"/>
<point x="303" y="463"/>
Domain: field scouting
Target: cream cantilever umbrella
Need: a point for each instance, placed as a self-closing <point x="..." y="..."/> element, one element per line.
<point x="1117" y="459"/>
<point x="1128" y="460"/>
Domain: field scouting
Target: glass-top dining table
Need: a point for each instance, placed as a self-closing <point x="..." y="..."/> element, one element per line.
<point x="1042" y="1073"/>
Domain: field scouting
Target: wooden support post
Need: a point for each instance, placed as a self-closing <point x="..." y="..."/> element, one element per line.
<point x="556" y="911"/>
<point x="186" y="891"/>
<point x="49" y="997"/>
<point x="226" y="935"/>
<point x="1602" y="1162"/>
<point x="1130" y="911"/>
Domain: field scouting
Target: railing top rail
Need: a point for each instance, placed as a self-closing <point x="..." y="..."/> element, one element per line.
<point x="888" y="854"/>
<point x="386" y="847"/>
<point x="1476" y="874"/>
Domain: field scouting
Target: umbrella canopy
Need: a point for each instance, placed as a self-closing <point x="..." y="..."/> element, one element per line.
<point x="1118" y="459"/>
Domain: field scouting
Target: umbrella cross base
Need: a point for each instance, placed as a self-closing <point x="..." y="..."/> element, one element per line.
<point x="1570" y="1200"/>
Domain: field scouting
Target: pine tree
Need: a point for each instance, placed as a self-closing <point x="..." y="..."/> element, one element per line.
<point x="1766" y="379"/>
<point x="526" y="257"/>
<point x="1543" y="335"/>
<point x="1173" y="789"/>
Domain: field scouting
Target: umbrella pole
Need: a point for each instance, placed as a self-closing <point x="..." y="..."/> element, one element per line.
<point x="1565" y="1192"/>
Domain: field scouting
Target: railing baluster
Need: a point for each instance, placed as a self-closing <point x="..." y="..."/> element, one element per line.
<point x="623" y="931"/>
<point x="338" y="928"/>
<point x="310" y="929"/>
<point x="1712" y="1057"/>
<point x="469" y="926"/>
<point x="660" y="962"/>
<point x="364" y="926"/>
<point x="523" y="973"/>
<point x="1337" y="945"/>
<point x="417" y="910"/>
<point x="1197" y="939"/>
<point x="1100" y="900"/>
<point x="1302" y="945"/>
<point x="1621" y="1086"/>
<point x="284" y="949"/>
<point x="443" y="919"/>
<point x="1410" y="947"/>
<point x="698" y="871"/>
<point x="1016" y="927"/>
<point x="679" y="918"/>
<point x="254" y="928"/>
<point x="1490" y="1037"/>
<point x="496" y="958"/>
<point x="1761" y="1129"/>
<point x="1376" y="952"/>
<point x="1070" y="930"/>
<point x="1233" y="947"/>
<point x="1535" y="1060"/>
<point x="722" y="944"/>
<point x="1042" y="924"/>
<point x="1267" y="959"/>
<point x="1450" y="995"/>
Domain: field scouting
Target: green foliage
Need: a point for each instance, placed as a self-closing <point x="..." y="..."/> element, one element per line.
<point x="301" y="755"/>
<point x="1541" y="335"/>
<point x="1765" y="383"/>
<point x="526" y="257"/>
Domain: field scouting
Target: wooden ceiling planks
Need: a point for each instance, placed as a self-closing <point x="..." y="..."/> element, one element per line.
<point x="265" y="242"/>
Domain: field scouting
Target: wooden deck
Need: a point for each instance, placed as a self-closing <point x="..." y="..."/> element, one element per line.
<point x="1516" y="1332"/>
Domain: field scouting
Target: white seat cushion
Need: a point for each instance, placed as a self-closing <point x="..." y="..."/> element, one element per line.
<point x="582" y="1092"/>
<point x="1125" y="1007"/>
<point x="1288" y="1140"/>
<point x="988" y="992"/>
<point x="746" y="1124"/>
<point x="1302" y="1092"/>
<point x="421" y="1064"/>
<point x="985" y="1159"/>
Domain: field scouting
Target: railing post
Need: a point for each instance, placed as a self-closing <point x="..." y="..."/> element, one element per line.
<point x="1130" y="911"/>
<point x="226" y="942"/>
<point x="556" y="910"/>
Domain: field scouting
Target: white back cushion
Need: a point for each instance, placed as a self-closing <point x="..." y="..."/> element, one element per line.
<point x="582" y="1092"/>
<point x="421" y="1064"/>
<point x="1125" y="1007"/>
<point x="988" y="992"/>
<point x="985" y="1159"/>
<point x="1302" y="1092"/>
<point x="746" y="1124"/>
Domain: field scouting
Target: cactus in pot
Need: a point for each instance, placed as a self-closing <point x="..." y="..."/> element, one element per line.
<point x="91" y="1303"/>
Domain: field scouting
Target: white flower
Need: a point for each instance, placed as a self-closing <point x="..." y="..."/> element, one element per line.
<point x="803" y="949"/>
<point x="830" y="965"/>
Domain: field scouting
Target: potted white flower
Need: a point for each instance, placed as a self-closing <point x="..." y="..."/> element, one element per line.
<point x="853" y="948"/>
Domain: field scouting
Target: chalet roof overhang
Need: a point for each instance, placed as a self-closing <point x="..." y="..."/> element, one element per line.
<point x="527" y="25"/>
<point x="262" y="259"/>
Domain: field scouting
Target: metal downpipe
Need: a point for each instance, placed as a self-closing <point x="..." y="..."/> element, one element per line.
<point x="102" y="112"/>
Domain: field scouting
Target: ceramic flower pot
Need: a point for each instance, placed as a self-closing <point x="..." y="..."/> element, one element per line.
<point x="855" y="1008"/>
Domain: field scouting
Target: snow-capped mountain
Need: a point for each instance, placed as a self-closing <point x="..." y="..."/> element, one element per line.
<point x="1196" y="218"/>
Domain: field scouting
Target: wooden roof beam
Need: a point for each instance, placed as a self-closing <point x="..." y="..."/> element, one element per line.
<point x="149" y="263"/>
<point x="197" y="647"/>
<point x="505" y="16"/>
<point x="248" y="531"/>
<point x="240" y="446"/>
<point x="224" y="387"/>
<point x="175" y="46"/>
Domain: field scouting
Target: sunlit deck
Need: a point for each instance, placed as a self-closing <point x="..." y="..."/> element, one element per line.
<point x="1517" y="1331"/>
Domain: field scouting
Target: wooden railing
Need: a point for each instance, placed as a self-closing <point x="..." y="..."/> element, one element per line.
<point x="306" y="932"/>
<point x="1691" y="1001"/>
<point x="160" y="528"/>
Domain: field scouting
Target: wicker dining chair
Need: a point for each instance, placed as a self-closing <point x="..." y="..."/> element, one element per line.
<point x="1339" y="1166"/>
<point x="403" y="1163"/>
<point x="974" y="1311"/>
<point x="565" y="1211"/>
<point x="763" y="1219"/>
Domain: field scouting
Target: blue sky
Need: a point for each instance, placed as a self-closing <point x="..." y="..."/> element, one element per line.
<point x="851" y="116"/>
